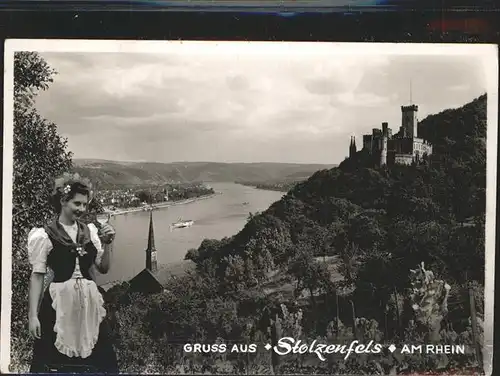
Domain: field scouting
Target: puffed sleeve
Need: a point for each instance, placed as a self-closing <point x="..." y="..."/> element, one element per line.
<point x="94" y="237"/>
<point x="39" y="247"/>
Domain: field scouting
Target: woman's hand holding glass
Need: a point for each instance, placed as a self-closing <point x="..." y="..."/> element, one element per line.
<point x="107" y="233"/>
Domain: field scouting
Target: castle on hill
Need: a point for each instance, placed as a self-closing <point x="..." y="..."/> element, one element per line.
<point x="404" y="147"/>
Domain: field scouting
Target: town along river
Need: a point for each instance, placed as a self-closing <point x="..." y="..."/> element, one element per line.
<point x="214" y="218"/>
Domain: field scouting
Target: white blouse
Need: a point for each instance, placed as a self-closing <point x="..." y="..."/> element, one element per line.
<point x="77" y="301"/>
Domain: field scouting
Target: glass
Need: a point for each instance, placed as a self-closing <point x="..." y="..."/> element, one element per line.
<point x="103" y="218"/>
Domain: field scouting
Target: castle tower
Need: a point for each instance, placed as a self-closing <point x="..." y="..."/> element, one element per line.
<point x="383" y="151"/>
<point x="383" y="148"/>
<point x="151" y="263"/>
<point x="409" y="120"/>
<point x="385" y="129"/>
<point x="352" y="147"/>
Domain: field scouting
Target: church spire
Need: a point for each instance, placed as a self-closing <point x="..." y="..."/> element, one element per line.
<point x="151" y="235"/>
<point x="151" y="263"/>
<point x="352" y="147"/>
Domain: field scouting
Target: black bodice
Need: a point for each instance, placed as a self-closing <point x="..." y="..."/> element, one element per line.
<point x="62" y="259"/>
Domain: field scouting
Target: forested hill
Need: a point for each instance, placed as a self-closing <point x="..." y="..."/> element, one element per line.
<point x="389" y="219"/>
<point x="458" y="134"/>
<point x="115" y="173"/>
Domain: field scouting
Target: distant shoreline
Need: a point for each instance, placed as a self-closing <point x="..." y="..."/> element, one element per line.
<point x="163" y="205"/>
<point x="261" y="187"/>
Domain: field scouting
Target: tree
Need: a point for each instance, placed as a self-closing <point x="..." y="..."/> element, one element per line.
<point x="144" y="196"/>
<point x="310" y="274"/>
<point x="31" y="73"/>
<point x="40" y="154"/>
<point x="95" y="206"/>
<point x="192" y="254"/>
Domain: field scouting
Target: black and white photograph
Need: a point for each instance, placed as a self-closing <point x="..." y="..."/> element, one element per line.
<point x="182" y="207"/>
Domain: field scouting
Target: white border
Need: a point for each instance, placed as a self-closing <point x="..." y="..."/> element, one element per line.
<point x="490" y="63"/>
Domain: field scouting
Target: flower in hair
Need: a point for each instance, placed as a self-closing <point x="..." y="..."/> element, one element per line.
<point x="64" y="183"/>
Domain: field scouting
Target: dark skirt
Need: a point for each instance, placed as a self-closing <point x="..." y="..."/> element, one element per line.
<point x="47" y="359"/>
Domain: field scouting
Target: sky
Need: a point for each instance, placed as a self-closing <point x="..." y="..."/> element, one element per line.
<point x="298" y="107"/>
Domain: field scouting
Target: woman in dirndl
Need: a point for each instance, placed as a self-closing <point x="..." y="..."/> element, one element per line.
<point x="67" y="319"/>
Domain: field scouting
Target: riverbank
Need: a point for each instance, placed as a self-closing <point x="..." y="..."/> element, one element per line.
<point x="278" y="187"/>
<point x="162" y="205"/>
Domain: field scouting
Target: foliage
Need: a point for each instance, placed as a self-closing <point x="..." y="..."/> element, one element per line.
<point x="40" y="154"/>
<point x="31" y="74"/>
<point x="282" y="186"/>
<point x="429" y="300"/>
<point x="144" y="196"/>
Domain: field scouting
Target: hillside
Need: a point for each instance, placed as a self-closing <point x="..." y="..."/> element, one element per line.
<point x="113" y="173"/>
<point x="331" y="261"/>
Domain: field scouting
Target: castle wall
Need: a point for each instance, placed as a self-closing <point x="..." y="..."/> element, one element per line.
<point x="391" y="145"/>
<point x="391" y="157"/>
<point x="404" y="159"/>
<point x="403" y="145"/>
<point x="421" y="147"/>
<point x="373" y="142"/>
<point x="367" y="142"/>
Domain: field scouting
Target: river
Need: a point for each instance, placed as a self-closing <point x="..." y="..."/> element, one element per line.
<point x="214" y="218"/>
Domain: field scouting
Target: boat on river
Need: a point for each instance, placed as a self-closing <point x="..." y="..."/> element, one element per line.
<point x="182" y="224"/>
